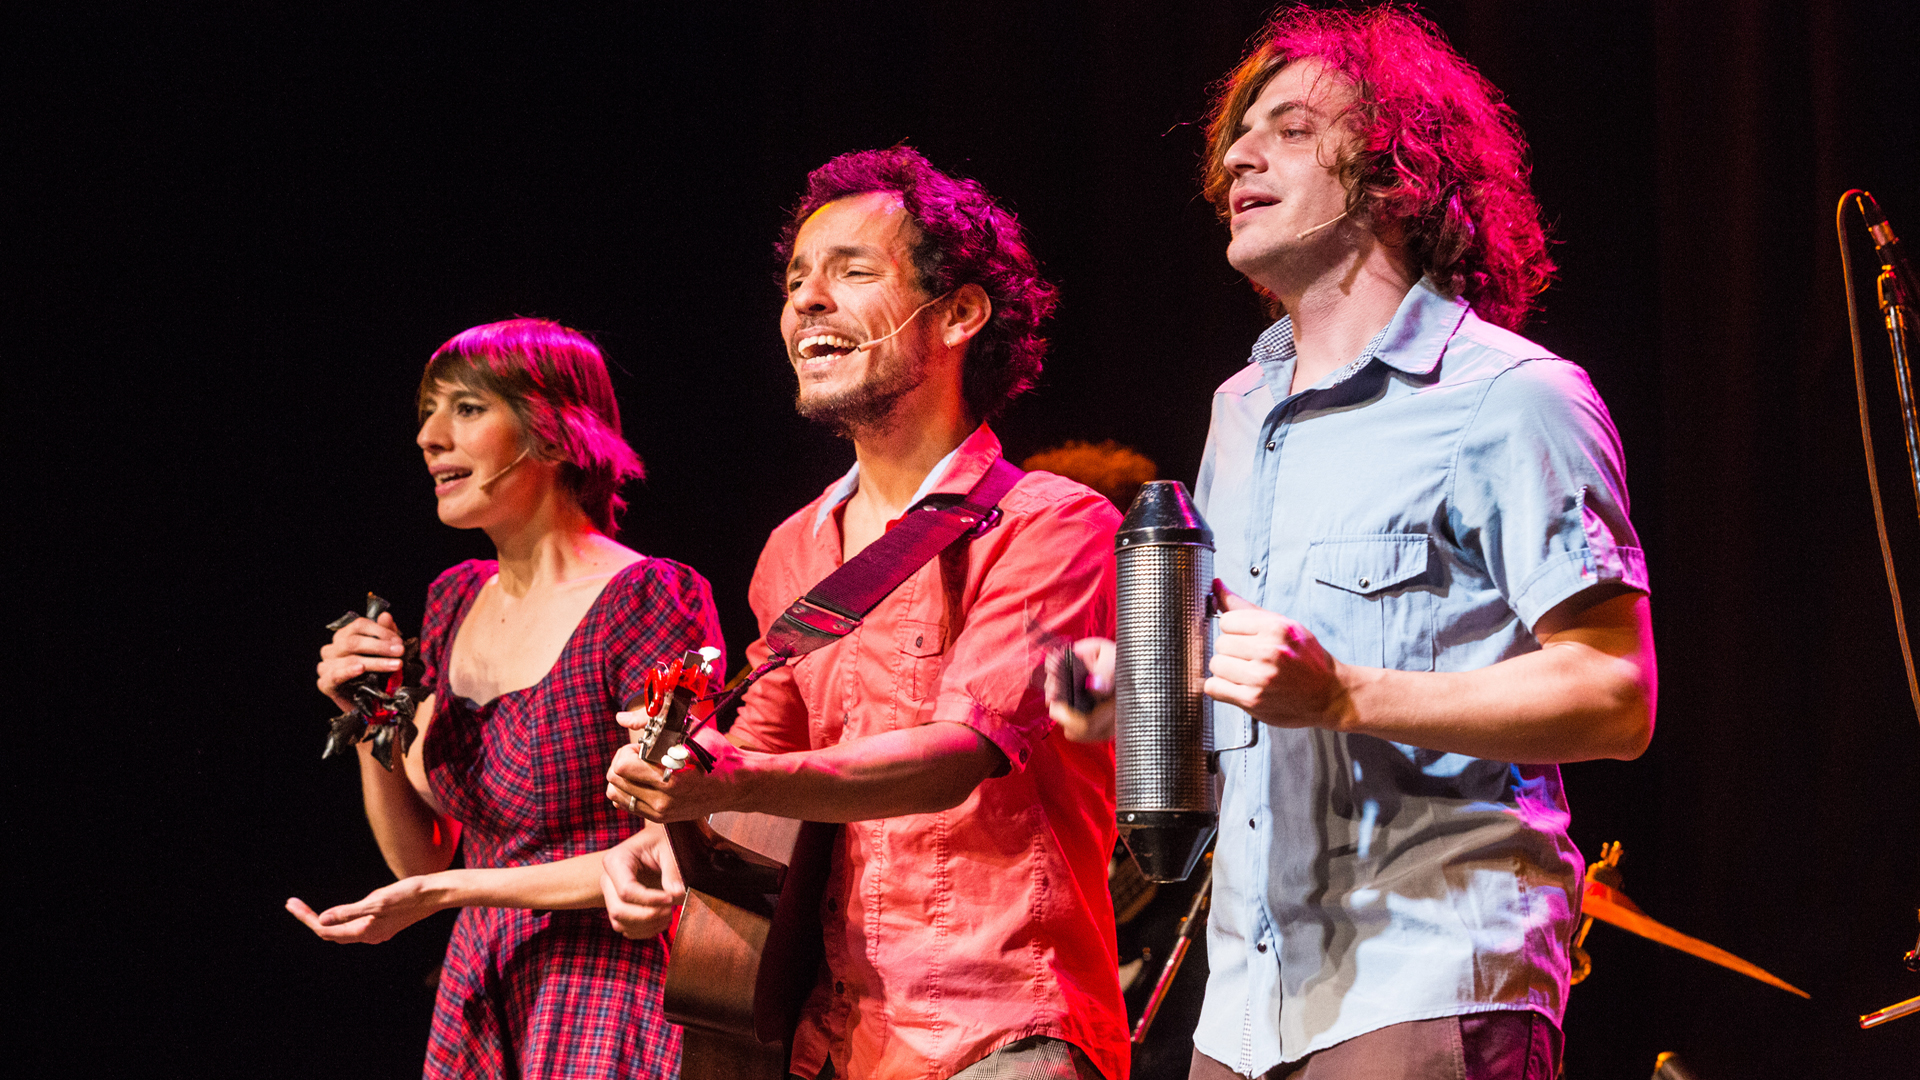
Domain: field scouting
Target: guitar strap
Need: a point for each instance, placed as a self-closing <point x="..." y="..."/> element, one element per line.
<point x="834" y="608"/>
<point x="794" y="953"/>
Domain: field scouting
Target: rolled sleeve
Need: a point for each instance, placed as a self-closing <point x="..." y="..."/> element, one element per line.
<point x="1051" y="578"/>
<point x="1540" y="490"/>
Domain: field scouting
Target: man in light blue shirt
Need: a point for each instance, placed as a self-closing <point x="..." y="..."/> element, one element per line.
<point x="1432" y="591"/>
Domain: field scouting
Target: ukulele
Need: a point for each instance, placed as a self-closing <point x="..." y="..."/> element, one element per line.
<point x="748" y="949"/>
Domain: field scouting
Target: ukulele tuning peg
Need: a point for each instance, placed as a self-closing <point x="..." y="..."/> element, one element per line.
<point x="675" y="759"/>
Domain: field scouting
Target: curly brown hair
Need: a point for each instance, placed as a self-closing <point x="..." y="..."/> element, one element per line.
<point x="1436" y="153"/>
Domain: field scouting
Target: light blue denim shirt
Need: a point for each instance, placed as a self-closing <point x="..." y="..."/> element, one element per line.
<point x="1418" y="509"/>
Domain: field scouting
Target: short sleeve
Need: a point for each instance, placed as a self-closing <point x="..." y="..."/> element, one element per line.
<point x="773" y="717"/>
<point x="661" y="610"/>
<point x="1209" y="465"/>
<point x="446" y="597"/>
<point x="1054" y="572"/>
<point x="1539" y="490"/>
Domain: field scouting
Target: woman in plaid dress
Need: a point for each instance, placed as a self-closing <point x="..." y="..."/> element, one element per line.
<point x="527" y="658"/>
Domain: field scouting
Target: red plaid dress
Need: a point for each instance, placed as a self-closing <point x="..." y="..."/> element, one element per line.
<point x="551" y="993"/>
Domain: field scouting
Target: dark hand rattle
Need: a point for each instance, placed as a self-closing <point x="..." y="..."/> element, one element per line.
<point x="383" y="704"/>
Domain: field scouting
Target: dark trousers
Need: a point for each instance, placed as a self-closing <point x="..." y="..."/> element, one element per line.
<point x="1037" y="1057"/>
<point x="1516" y="1045"/>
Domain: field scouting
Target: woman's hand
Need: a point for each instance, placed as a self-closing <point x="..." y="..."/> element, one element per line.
<point x="384" y="913"/>
<point x="641" y="884"/>
<point x="361" y="646"/>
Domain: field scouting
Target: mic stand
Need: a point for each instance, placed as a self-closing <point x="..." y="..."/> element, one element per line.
<point x="1896" y="290"/>
<point x="1894" y="309"/>
<point x="1895" y="298"/>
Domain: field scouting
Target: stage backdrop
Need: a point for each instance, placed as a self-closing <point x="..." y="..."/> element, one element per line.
<point x="236" y="232"/>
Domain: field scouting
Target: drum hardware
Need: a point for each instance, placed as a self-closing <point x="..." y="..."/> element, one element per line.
<point x="1190" y="928"/>
<point x="1603" y="900"/>
<point x="1904" y="1008"/>
<point x="1668" y="1066"/>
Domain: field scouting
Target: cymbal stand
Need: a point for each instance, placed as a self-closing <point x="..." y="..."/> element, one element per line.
<point x="1190" y="928"/>
<point x="1904" y="1008"/>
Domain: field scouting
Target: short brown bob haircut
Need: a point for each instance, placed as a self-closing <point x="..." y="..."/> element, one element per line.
<point x="555" y="381"/>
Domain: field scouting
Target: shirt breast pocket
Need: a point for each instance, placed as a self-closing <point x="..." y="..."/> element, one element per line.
<point x="923" y="648"/>
<point x="1372" y="599"/>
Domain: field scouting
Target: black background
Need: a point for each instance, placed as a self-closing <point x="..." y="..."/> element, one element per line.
<point x="236" y="232"/>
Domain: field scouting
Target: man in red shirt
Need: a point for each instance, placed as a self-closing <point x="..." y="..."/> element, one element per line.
<point x="967" y="922"/>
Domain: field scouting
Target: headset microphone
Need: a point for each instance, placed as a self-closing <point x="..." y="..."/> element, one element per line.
<point x="1322" y="225"/>
<point x="875" y="343"/>
<point x="487" y="484"/>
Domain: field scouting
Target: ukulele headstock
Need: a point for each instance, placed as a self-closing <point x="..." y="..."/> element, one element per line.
<point x="673" y="686"/>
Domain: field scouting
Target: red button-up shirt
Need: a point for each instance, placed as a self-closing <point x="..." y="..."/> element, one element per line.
<point x="950" y="935"/>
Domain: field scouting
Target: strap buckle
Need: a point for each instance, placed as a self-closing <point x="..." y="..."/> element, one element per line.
<point x="986" y="522"/>
<point x="804" y="627"/>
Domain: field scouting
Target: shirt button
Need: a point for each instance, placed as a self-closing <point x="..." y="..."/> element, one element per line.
<point x="1364" y="582"/>
<point x="839" y="987"/>
<point x="1252" y="824"/>
<point x="1262" y="946"/>
<point x="1254" y="570"/>
<point x="1271" y="444"/>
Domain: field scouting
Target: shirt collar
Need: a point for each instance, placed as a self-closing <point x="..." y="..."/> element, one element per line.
<point x="954" y="474"/>
<point x="1412" y="341"/>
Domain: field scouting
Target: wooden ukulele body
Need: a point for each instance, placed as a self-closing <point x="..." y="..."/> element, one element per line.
<point x="748" y="950"/>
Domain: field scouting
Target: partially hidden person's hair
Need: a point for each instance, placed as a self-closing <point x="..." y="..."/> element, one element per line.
<point x="555" y="381"/>
<point x="1437" y="154"/>
<point x="1113" y="469"/>
<point x="965" y="238"/>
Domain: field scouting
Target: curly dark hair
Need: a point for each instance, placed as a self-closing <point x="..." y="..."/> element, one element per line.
<point x="965" y="238"/>
<point x="1436" y="152"/>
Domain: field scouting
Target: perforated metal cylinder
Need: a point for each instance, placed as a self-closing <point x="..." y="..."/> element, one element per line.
<point x="1163" y="730"/>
